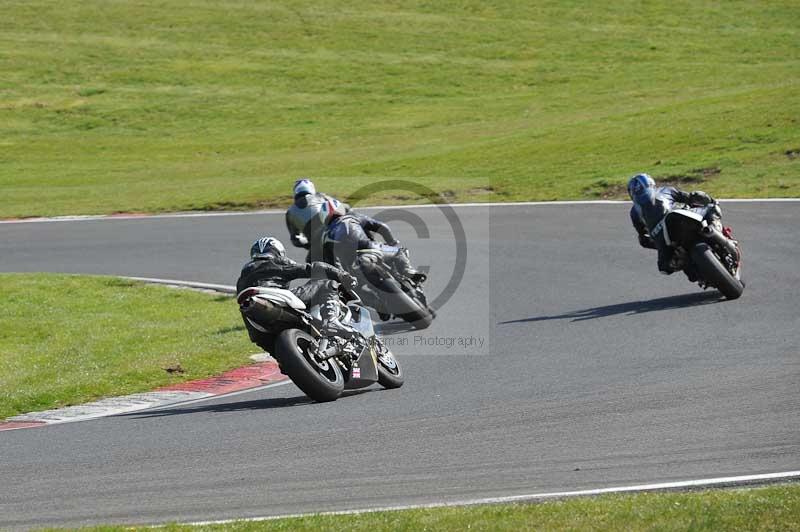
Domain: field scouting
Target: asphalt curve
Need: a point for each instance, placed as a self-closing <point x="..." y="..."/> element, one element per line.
<point x="595" y="371"/>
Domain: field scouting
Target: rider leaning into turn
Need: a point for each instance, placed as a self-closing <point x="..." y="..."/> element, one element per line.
<point x="303" y="221"/>
<point x="271" y="267"/>
<point x="650" y="205"/>
<point x="348" y="242"/>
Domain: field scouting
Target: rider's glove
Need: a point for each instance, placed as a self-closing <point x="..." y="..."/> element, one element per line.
<point x="348" y="281"/>
<point x="699" y="197"/>
<point x="300" y="241"/>
<point x="646" y="241"/>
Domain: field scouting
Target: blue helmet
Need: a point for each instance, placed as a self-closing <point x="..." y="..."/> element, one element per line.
<point x="642" y="188"/>
<point x="303" y="187"/>
<point x="267" y="246"/>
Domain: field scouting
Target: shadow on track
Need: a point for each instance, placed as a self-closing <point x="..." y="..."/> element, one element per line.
<point x="633" y="307"/>
<point x="239" y="406"/>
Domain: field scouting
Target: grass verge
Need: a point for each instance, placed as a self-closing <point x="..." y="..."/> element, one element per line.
<point x="68" y="339"/>
<point x="768" y="508"/>
<point x="158" y="106"/>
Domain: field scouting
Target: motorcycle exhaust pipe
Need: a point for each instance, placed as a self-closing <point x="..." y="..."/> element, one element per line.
<point x="263" y="311"/>
<point x="717" y="239"/>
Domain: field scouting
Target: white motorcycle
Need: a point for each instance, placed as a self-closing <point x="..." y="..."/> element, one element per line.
<point x="322" y="366"/>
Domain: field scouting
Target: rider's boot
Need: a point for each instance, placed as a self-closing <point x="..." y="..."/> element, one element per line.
<point x="403" y="263"/>
<point x="331" y="326"/>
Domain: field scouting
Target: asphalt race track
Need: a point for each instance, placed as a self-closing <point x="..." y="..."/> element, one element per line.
<point x="595" y="371"/>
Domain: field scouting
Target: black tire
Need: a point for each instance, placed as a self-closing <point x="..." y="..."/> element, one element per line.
<point x="419" y="320"/>
<point x="402" y="305"/>
<point x="322" y="382"/>
<point x="390" y="374"/>
<point x="715" y="273"/>
<point x="422" y="318"/>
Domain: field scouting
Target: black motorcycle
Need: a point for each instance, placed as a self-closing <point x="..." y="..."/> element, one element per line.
<point x="390" y="292"/>
<point x="703" y="248"/>
<point x="321" y="366"/>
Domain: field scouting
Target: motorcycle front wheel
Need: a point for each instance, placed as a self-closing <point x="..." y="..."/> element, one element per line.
<point x="397" y="302"/>
<point x="390" y="375"/>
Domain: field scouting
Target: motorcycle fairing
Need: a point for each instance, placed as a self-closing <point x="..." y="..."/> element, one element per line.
<point x="364" y="370"/>
<point x="662" y="225"/>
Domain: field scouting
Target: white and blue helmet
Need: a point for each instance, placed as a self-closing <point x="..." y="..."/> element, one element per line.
<point x="642" y="188"/>
<point x="267" y="246"/>
<point x="303" y="187"/>
<point x="330" y="210"/>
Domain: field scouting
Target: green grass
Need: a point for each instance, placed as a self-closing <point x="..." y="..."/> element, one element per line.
<point x="770" y="508"/>
<point x="109" y="106"/>
<point x="69" y="339"/>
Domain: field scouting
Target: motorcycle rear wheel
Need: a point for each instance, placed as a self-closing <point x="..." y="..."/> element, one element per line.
<point x="321" y="381"/>
<point x="715" y="273"/>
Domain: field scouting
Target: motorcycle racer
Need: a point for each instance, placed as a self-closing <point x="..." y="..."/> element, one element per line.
<point x="650" y="205"/>
<point x="269" y="266"/>
<point x="348" y="242"/>
<point x="302" y="218"/>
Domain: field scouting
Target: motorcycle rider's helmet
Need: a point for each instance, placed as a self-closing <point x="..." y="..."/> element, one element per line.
<point x="642" y="188"/>
<point x="267" y="246"/>
<point x="330" y="210"/>
<point x="303" y="187"/>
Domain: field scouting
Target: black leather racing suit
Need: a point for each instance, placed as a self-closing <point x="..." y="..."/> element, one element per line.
<point x="646" y="215"/>
<point x="351" y="233"/>
<point x="278" y="272"/>
<point x="348" y="244"/>
<point x="305" y="227"/>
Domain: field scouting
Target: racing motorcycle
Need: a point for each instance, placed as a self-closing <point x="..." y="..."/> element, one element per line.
<point x="703" y="248"/>
<point x="391" y="292"/>
<point x="321" y="366"/>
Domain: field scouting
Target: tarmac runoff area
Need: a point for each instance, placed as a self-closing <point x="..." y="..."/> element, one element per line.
<point x="571" y="399"/>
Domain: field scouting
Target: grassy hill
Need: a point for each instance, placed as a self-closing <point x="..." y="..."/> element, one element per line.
<point x="109" y="106"/>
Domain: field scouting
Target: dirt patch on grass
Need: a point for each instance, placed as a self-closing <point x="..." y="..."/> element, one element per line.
<point x="446" y="196"/>
<point x="693" y="177"/>
<point x="481" y="191"/>
<point x="272" y="203"/>
<point x="793" y="155"/>
<point x="609" y="190"/>
<point x="606" y="190"/>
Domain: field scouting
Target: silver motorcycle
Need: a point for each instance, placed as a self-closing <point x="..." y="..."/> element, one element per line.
<point x="322" y="366"/>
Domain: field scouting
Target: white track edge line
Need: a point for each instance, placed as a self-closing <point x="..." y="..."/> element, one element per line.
<point x="105" y="407"/>
<point x="531" y="497"/>
<point x="221" y="396"/>
<point x="228" y="289"/>
<point x="172" y="282"/>
<point x="103" y="217"/>
<point x="153" y="408"/>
